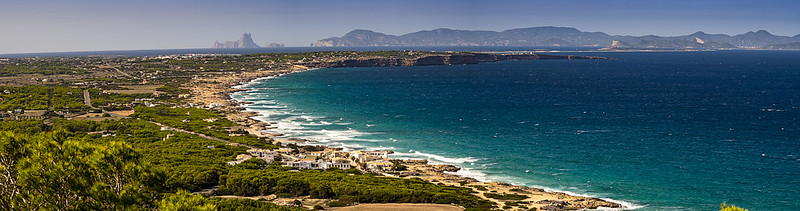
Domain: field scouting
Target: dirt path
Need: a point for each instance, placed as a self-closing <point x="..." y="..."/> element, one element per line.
<point x="86" y="99"/>
<point x="202" y="135"/>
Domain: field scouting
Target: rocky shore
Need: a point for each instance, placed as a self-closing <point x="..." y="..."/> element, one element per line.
<point x="216" y="91"/>
<point x="444" y="59"/>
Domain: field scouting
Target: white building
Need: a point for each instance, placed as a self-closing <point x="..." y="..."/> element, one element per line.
<point x="366" y="156"/>
<point x="340" y="163"/>
<point x="239" y="159"/>
<point x="379" y="165"/>
<point x="266" y="155"/>
<point x="308" y="164"/>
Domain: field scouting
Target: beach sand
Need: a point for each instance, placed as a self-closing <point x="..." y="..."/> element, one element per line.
<point x="217" y="88"/>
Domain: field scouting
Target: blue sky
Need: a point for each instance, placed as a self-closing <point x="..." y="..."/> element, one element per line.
<point x="87" y="25"/>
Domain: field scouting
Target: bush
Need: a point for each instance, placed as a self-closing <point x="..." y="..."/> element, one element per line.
<point x="336" y="204"/>
<point x="479" y="187"/>
<point x="505" y="196"/>
<point x="725" y="207"/>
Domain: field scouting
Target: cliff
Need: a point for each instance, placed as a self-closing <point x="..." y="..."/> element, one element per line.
<point x="245" y="42"/>
<point x="442" y="59"/>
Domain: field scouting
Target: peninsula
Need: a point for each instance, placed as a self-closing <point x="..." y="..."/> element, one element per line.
<point x="561" y="36"/>
<point x="170" y="128"/>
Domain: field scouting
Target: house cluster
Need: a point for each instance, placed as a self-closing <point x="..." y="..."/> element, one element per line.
<point x="375" y="160"/>
<point x="21" y="114"/>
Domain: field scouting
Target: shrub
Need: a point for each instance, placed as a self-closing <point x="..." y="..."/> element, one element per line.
<point x="505" y="196"/>
<point x="725" y="207"/>
<point x="336" y="204"/>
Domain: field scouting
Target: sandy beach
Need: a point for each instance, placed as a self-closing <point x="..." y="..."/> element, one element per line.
<point x="216" y="90"/>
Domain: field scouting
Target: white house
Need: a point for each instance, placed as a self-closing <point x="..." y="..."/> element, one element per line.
<point x="340" y="163"/>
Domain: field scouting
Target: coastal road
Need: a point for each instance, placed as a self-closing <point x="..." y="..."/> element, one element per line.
<point x="120" y="71"/>
<point x="86" y="99"/>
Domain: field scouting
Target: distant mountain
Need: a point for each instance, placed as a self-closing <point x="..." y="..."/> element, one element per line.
<point x="245" y="42"/>
<point x="554" y="36"/>
<point x="275" y="45"/>
<point x="787" y="46"/>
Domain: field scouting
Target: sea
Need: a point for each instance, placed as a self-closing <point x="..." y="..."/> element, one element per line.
<point x="651" y="130"/>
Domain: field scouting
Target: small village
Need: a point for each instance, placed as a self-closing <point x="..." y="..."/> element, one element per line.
<point x="375" y="161"/>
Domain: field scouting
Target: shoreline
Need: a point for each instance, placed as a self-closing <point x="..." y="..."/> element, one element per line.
<point x="221" y="88"/>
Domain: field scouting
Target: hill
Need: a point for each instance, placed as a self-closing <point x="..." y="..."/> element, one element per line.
<point x="552" y="36"/>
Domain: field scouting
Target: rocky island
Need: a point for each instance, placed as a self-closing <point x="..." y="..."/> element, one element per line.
<point x="245" y="42"/>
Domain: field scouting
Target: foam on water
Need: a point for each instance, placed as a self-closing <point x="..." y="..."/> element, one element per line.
<point x="548" y="130"/>
<point x="433" y="157"/>
<point x="298" y="124"/>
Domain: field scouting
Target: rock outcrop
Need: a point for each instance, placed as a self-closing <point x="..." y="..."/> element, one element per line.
<point x="619" y="44"/>
<point x="245" y="42"/>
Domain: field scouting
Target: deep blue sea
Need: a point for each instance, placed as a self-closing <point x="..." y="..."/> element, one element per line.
<point x="660" y="130"/>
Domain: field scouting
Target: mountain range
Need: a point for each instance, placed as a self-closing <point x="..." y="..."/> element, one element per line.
<point x="561" y="36"/>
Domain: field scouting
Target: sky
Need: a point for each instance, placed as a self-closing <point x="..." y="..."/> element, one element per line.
<point x="28" y="26"/>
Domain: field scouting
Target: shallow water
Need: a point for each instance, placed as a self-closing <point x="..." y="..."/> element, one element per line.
<point x="667" y="131"/>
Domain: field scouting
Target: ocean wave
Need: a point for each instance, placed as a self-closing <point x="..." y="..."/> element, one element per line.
<point x="291" y="123"/>
<point x="471" y="173"/>
<point x="337" y="135"/>
<point x="319" y="123"/>
<point x="434" y="157"/>
<point x="248" y="84"/>
<point x="627" y="205"/>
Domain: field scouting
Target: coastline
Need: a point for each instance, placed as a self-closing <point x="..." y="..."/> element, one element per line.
<point x="222" y="87"/>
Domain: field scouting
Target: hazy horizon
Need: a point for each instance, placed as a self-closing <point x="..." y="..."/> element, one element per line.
<point x="92" y="25"/>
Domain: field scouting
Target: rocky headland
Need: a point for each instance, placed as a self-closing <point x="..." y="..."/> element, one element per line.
<point x="437" y="59"/>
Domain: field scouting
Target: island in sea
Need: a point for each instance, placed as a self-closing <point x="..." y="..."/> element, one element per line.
<point x="245" y="42"/>
<point x="115" y="132"/>
<point x="562" y="36"/>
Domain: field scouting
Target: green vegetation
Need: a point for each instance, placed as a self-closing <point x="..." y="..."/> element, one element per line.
<point x="44" y="68"/>
<point x="479" y="187"/>
<point x="41" y="98"/>
<point x="113" y="101"/>
<point x="198" y="120"/>
<point x="183" y="200"/>
<point x="337" y="184"/>
<point x="24" y="126"/>
<point x="337" y="204"/>
<point x="53" y="171"/>
<point x="505" y="196"/>
<point x="223" y="204"/>
<point x="185" y="158"/>
<point x="725" y="207"/>
<point x="517" y="190"/>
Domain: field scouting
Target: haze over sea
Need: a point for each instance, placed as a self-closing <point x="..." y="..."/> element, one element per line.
<point x="664" y="130"/>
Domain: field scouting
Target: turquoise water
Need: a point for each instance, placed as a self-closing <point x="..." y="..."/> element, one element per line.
<point x="663" y="131"/>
